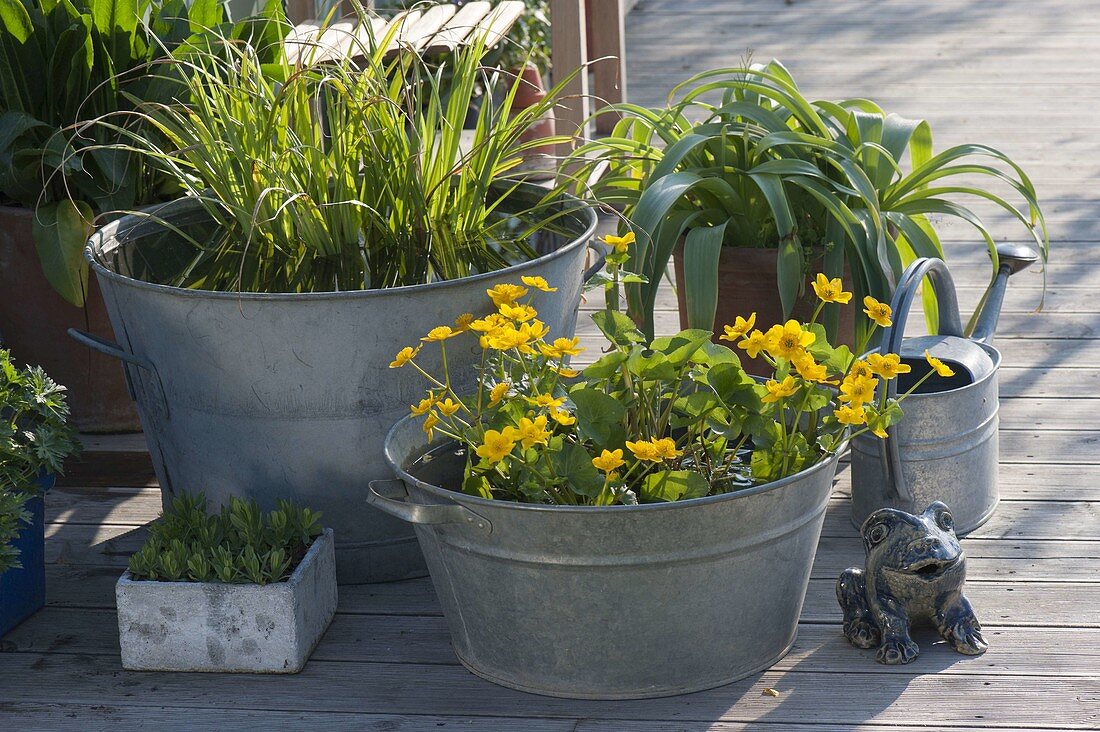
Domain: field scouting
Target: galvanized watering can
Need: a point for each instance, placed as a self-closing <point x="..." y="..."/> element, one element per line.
<point x="945" y="448"/>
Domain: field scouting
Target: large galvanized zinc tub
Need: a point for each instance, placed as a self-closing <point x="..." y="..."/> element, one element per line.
<point x="618" y="602"/>
<point x="272" y="396"/>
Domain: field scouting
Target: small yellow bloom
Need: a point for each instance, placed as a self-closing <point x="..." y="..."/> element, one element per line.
<point x="423" y="406"/>
<point x="538" y="283"/>
<point x="877" y="311"/>
<point x="811" y="370"/>
<point x="505" y="293"/>
<point x="462" y="322"/>
<point x="429" y="424"/>
<point x="533" y="431"/>
<point x="535" y="330"/>
<point x="518" y="313"/>
<point x="858" y="391"/>
<point x="831" y="290"/>
<point x="488" y="323"/>
<point x="506" y="337"/>
<point x="561" y="347"/>
<point x="567" y="373"/>
<point x="860" y="369"/>
<point x="739" y="329"/>
<point x="939" y="366"/>
<point x="497" y="392"/>
<point x="779" y="389"/>
<point x="546" y="400"/>
<point x="609" y="460"/>
<point x="887" y="366"/>
<point x="851" y="415"/>
<point x="448" y="407"/>
<point x="562" y="417"/>
<point x="789" y="340"/>
<point x="879" y="431"/>
<point x="754" y="343"/>
<point x="441" y="333"/>
<point x="403" y="356"/>
<point x="619" y="243"/>
<point x="495" y="446"/>
<point x="654" y="451"/>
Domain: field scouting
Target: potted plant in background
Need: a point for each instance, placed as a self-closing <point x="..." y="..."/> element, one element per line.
<point x="34" y="441"/>
<point x="70" y="62"/>
<point x="239" y="590"/>
<point x="741" y="165"/>
<point x="332" y="209"/>
<point x="647" y="526"/>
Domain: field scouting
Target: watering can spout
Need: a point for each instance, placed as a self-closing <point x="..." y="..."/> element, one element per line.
<point x="1012" y="258"/>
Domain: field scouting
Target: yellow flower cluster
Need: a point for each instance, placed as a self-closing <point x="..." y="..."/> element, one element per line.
<point x="654" y="450"/>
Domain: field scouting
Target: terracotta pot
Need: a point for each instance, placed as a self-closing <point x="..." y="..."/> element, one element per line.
<point x="531" y="91"/>
<point x="33" y="324"/>
<point x="747" y="284"/>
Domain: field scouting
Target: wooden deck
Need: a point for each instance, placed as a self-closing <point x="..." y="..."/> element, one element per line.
<point x="1018" y="74"/>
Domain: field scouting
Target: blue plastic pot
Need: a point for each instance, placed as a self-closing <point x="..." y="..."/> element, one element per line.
<point x="23" y="590"/>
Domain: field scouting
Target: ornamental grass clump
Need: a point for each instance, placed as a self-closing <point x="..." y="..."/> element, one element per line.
<point x="241" y="544"/>
<point x="665" y="420"/>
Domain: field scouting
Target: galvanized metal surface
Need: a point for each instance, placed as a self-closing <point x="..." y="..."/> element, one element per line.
<point x="946" y="446"/>
<point x="618" y="602"/>
<point x="272" y="396"/>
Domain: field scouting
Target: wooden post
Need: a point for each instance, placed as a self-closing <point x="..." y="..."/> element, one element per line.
<point x="609" y="76"/>
<point x="568" y="52"/>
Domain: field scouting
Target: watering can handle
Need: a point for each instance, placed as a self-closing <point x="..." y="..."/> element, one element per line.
<point x="421" y="513"/>
<point x="114" y="350"/>
<point x="950" y="323"/>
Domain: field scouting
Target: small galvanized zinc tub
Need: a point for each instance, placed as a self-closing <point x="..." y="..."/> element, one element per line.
<point x="619" y="602"/>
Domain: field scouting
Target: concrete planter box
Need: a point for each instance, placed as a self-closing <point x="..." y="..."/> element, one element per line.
<point x="213" y="626"/>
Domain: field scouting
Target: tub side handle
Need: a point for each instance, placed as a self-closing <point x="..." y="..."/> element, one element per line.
<point x="601" y="260"/>
<point x="421" y="513"/>
<point x="109" y="348"/>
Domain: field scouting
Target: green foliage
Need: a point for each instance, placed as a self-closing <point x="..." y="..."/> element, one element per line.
<point x="12" y="518"/>
<point x="342" y="175"/>
<point x="35" y="439"/>
<point x="241" y="544"/>
<point x="739" y="157"/>
<point x="62" y="63"/>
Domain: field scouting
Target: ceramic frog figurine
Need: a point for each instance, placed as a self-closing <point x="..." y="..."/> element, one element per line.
<point x="915" y="571"/>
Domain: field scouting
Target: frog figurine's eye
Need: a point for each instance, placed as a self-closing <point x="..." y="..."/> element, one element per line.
<point x="877" y="533"/>
<point x="946" y="522"/>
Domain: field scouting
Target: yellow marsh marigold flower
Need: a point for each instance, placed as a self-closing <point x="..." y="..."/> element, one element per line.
<point x="831" y="290"/>
<point x="811" y="370"/>
<point x="754" y="343"/>
<point x="462" y="322"/>
<point x="441" y="333"/>
<point x="546" y="400"/>
<point x="654" y="451"/>
<point x="887" y="366"/>
<point x="619" y="243"/>
<point x="567" y="373"/>
<point x="539" y="283"/>
<point x="429" y="424"/>
<point x="497" y="392"/>
<point x="505" y="293"/>
<point x="562" y="417"/>
<point x="561" y="347"/>
<point x="519" y="313"/>
<point x="789" y="340"/>
<point x="939" y="366"/>
<point x="535" y="330"/>
<point x="739" y="329"/>
<point x="666" y="448"/>
<point x="495" y="446"/>
<point x="403" y="356"/>
<point x="533" y="432"/>
<point x="488" y="323"/>
<point x="858" y="391"/>
<point x="423" y="406"/>
<point x="851" y="415"/>
<point x="506" y="337"/>
<point x="609" y="460"/>
<point x="860" y="369"/>
<point x="779" y="389"/>
<point x="877" y="311"/>
<point x="448" y="407"/>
